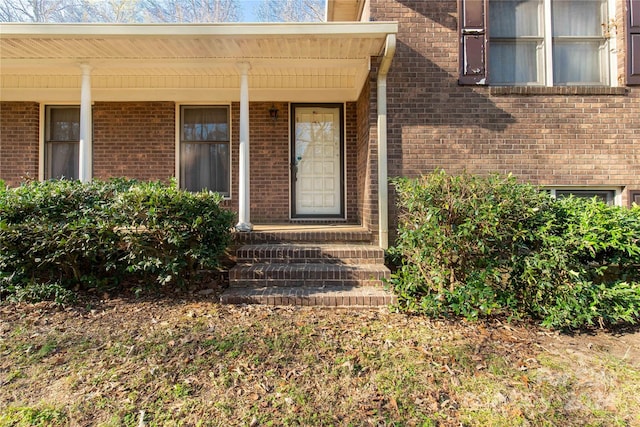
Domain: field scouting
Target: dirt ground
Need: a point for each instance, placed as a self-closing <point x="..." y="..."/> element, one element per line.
<point x="250" y="365"/>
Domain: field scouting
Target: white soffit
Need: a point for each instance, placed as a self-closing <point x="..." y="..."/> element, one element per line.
<point x="192" y="60"/>
<point x="344" y="10"/>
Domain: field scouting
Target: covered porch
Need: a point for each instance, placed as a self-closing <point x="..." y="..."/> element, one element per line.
<point x="275" y="81"/>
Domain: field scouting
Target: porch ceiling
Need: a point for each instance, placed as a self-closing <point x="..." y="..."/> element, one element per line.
<point x="193" y="62"/>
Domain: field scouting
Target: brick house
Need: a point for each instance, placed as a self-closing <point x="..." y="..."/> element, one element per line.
<point x="167" y="101"/>
<point x="305" y="122"/>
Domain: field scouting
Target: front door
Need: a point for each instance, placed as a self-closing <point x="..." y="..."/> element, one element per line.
<point x="316" y="163"/>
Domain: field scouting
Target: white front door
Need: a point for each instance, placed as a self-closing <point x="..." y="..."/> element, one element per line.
<point x="317" y="162"/>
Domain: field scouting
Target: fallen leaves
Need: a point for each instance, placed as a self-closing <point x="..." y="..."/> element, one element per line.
<point x="194" y="360"/>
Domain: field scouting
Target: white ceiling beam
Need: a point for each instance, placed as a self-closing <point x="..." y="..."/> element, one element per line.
<point x="109" y="67"/>
<point x="197" y="95"/>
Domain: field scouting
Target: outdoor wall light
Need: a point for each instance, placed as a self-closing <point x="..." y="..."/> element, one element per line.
<point x="273" y="113"/>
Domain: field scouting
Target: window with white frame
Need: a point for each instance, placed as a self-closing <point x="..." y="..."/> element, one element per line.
<point x="61" y="142"/>
<point x="548" y="42"/>
<point x="605" y="195"/>
<point x="205" y="155"/>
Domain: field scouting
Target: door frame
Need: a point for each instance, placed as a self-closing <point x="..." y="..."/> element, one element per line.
<point x="292" y="160"/>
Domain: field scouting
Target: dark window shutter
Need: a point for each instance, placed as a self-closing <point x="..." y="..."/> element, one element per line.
<point x="472" y="24"/>
<point x="633" y="47"/>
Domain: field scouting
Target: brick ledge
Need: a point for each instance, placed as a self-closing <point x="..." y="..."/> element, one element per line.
<point x="557" y="90"/>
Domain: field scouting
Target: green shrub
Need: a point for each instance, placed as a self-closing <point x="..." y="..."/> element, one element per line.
<point x="99" y="234"/>
<point x="476" y="246"/>
<point x="458" y="236"/>
<point x="597" y="266"/>
<point x="36" y="291"/>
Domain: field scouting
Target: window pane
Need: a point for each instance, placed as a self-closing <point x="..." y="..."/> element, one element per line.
<point x="62" y="160"/>
<point x="582" y="18"/>
<point x="64" y="124"/>
<point x="578" y="63"/>
<point x="515" y="18"/>
<point x="205" y="124"/>
<point x="607" y="196"/>
<point x="205" y="166"/>
<point x="514" y="63"/>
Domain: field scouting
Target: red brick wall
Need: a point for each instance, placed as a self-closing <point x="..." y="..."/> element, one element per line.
<point x="351" y="147"/>
<point x="367" y="162"/>
<point x="546" y="138"/>
<point x="134" y="140"/>
<point x="269" y="145"/>
<point x="19" y="141"/>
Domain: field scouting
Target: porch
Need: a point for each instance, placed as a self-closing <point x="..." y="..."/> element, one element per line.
<point x="137" y="88"/>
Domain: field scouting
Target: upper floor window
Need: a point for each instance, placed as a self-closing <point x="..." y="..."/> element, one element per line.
<point x="548" y="42"/>
<point x="61" y="142"/>
<point x="205" y="148"/>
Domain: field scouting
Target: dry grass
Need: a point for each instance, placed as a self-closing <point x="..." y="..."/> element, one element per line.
<point x="194" y="362"/>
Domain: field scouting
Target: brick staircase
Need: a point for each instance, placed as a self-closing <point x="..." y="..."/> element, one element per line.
<point x="310" y="266"/>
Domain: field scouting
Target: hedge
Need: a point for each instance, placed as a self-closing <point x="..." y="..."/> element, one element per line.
<point x="479" y="246"/>
<point x="61" y="235"/>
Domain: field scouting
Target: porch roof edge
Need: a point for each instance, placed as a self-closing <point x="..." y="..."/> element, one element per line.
<point x="85" y="30"/>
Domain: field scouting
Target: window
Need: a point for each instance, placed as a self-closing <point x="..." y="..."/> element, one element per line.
<point x="204" y="148"/>
<point x="544" y="42"/>
<point x="607" y="196"/>
<point x="548" y="42"/>
<point x="62" y="141"/>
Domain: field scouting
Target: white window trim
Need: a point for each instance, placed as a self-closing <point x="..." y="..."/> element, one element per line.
<point x="612" y="45"/>
<point x="617" y="196"/>
<point x="41" y="138"/>
<point x="178" y="133"/>
<point x="43" y="132"/>
<point x="547" y="44"/>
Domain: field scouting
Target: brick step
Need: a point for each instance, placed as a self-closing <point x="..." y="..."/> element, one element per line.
<point x="310" y="253"/>
<point x="338" y="296"/>
<point x="307" y="274"/>
<point x="319" y="235"/>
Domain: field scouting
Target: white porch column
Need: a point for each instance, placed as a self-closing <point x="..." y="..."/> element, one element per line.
<point x="85" y="155"/>
<point x="244" y="200"/>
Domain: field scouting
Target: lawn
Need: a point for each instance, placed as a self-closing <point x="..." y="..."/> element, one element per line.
<point x="190" y="361"/>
